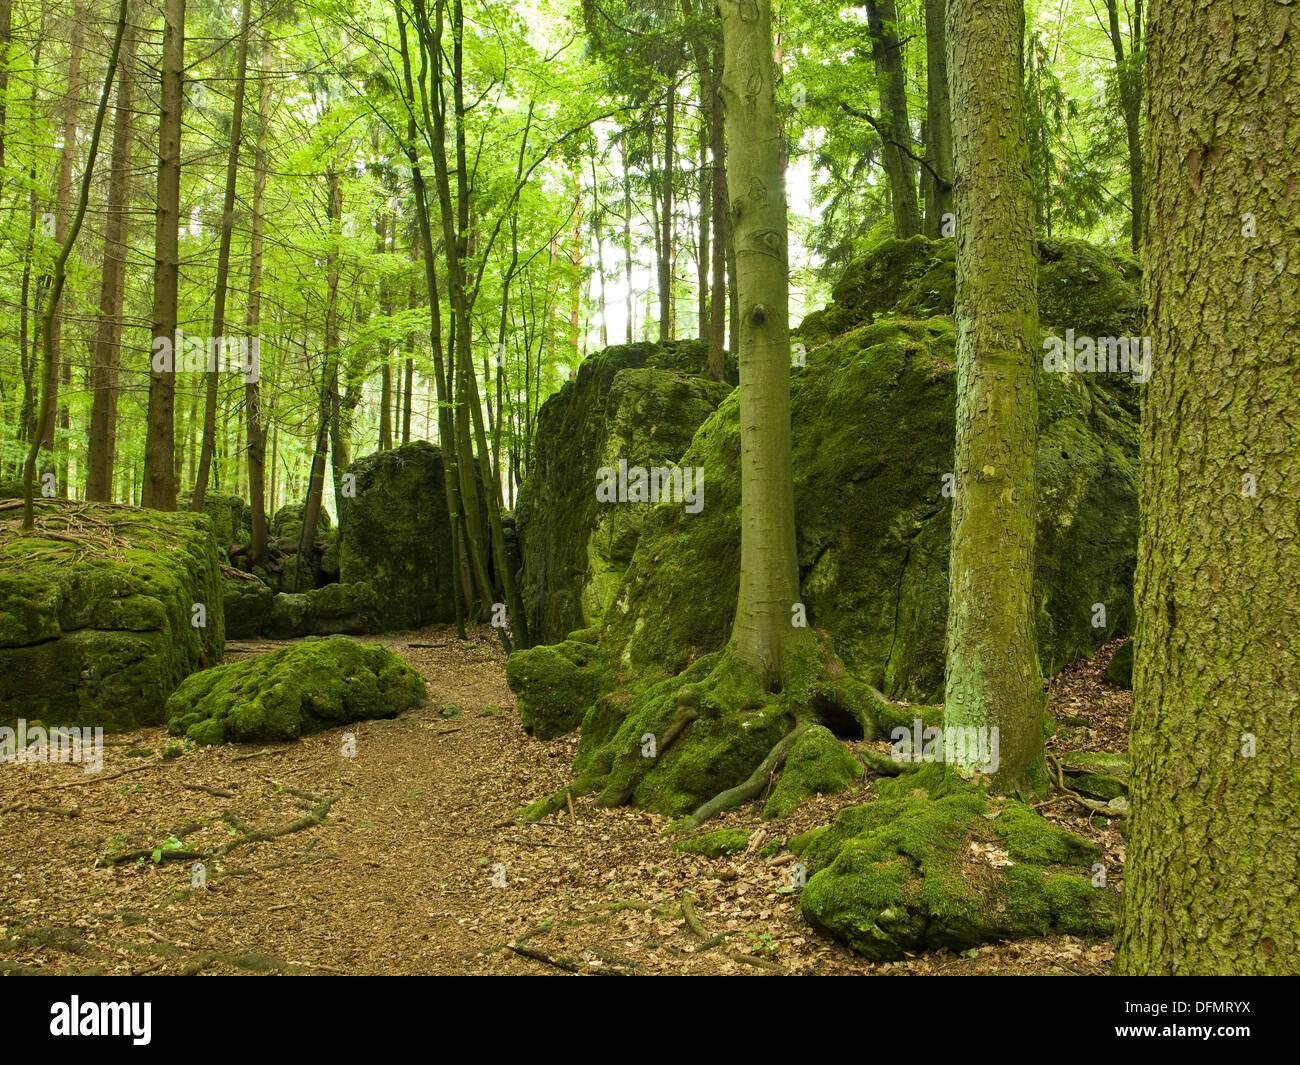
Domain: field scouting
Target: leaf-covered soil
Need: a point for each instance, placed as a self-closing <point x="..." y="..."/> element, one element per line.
<point x="406" y="858"/>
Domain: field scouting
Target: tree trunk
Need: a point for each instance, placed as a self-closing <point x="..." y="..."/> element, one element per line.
<point x="993" y="676"/>
<point x="882" y="19"/>
<point x="62" y="205"/>
<point x="257" y="552"/>
<point x="47" y="328"/>
<point x="769" y="575"/>
<point x="108" y="336"/>
<point x="937" y="175"/>
<point x="1128" y="74"/>
<point x="217" y="341"/>
<point x="1210" y="881"/>
<point x="160" y="432"/>
<point x="666" y="238"/>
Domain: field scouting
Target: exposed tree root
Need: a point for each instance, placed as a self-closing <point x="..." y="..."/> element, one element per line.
<point x="751" y="788"/>
<point x="598" y="962"/>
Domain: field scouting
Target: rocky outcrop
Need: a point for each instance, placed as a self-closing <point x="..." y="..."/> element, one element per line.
<point x="396" y="536"/>
<point x="104" y="610"/>
<point x="637" y="404"/>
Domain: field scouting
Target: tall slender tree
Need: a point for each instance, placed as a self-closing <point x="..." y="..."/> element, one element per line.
<point x="763" y="632"/>
<point x="159" y="490"/>
<point x="993" y="676"/>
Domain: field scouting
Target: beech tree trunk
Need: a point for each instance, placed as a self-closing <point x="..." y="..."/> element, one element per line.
<point x="993" y="677"/>
<point x="937" y="174"/>
<point x="1210" y="880"/>
<point x="882" y="19"/>
<point x="764" y="629"/>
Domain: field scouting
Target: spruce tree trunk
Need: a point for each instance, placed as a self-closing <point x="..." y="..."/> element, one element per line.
<point x="223" y="267"/>
<point x="159" y="491"/>
<point x="108" y="334"/>
<point x="1210" y="881"/>
<point x="62" y="206"/>
<point x="993" y="674"/>
<point x="257" y="552"/>
<point x="764" y="631"/>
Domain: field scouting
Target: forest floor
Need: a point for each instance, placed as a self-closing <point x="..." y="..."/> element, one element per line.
<point x="419" y="865"/>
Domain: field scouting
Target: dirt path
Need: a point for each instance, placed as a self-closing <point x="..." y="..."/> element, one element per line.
<point x="419" y="865"/>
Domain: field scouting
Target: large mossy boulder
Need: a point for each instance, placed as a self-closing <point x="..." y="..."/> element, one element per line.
<point x="639" y="404"/>
<point x="309" y="687"/>
<point x="558" y="686"/>
<point x="396" y="536"/>
<point x="226" y="513"/>
<point x="873" y="433"/>
<point x="930" y="865"/>
<point x="246" y="604"/>
<point x="99" y="619"/>
<point x="1094" y="291"/>
<point x="286" y="524"/>
<point x="335" y="609"/>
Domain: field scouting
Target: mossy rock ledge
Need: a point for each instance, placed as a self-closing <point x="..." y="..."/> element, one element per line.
<point x="396" y="536"/>
<point x="635" y="403"/>
<point x="309" y="687"/>
<point x="933" y="864"/>
<point x="95" y="635"/>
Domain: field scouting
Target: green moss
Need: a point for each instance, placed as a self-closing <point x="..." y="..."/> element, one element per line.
<point x="716" y="844"/>
<point x="396" y="536"/>
<point x="818" y="764"/>
<point x="1119" y="670"/>
<point x="109" y="633"/>
<point x="913" y="872"/>
<point x="308" y="687"/>
<point x="555" y="686"/>
<point x="639" y="403"/>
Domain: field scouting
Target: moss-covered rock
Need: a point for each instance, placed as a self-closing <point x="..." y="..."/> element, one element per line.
<point x="101" y="635"/>
<point x="335" y="609"/>
<point x="1095" y="291"/>
<point x="311" y="686"/>
<point x="1119" y="670"/>
<point x="287" y="522"/>
<point x="247" y="606"/>
<point x="923" y="869"/>
<point x="716" y="844"/>
<point x="872" y="421"/>
<point x="638" y="403"/>
<point x="818" y="764"/>
<point x="396" y="536"/>
<point x="225" y="511"/>
<point x="555" y="685"/>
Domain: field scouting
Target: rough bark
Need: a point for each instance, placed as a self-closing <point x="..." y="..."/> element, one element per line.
<point x="1210" y="881"/>
<point x="159" y="490"/>
<point x="217" y="340"/>
<point x="993" y="674"/>
<point x="107" y="353"/>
